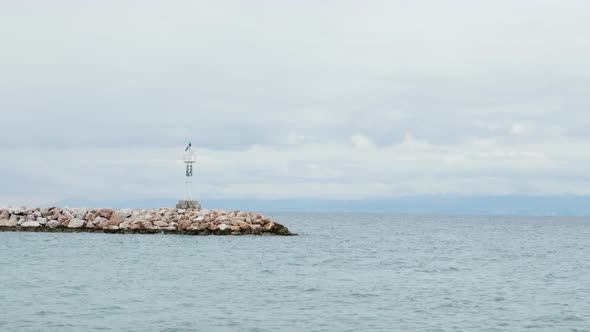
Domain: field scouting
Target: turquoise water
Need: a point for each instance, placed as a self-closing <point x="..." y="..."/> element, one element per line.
<point x="343" y="273"/>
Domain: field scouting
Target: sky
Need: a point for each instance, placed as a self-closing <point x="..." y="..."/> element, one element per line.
<point x="293" y="99"/>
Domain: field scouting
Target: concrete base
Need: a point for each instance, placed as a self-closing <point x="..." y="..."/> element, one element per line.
<point x="188" y="205"/>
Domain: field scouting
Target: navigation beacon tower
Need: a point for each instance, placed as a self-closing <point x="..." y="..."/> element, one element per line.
<point x="189" y="161"/>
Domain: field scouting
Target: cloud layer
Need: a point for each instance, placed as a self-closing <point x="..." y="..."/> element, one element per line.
<point x="330" y="99"/>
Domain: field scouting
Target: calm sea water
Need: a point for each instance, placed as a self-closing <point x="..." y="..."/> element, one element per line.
<point x="343" y="273"/>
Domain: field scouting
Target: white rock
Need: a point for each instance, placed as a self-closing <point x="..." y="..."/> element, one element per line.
<point x="76" y="223"/>
<point x="30" y="224"/>
<point x="80" y="213"/>
<point x="20" y="221"/>
<point x="42" y="221"/>
<point x="7" y="223"/>
<point x="181" y="211"/>
<point x="53" y="224"/>
<point x="126" y="212"/>
<point x="200" y="218"/>
<point x="222" y="227"/>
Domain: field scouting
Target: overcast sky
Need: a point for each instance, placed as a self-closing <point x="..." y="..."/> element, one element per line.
<point x="293" y="99"/>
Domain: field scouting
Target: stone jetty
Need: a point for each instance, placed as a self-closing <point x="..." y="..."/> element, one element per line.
<point x="163" y="220"/>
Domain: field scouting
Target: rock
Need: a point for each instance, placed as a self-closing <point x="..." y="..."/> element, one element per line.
<point x="53" y="224"/>
<point x="118" y="217"/>
<point x="30" y="224"/>
<point x="98" y="220"/>
<point x="256" y="229"/>
<point x="203" y="212"/>
<point x="90" y="216"/>
<point x="160" y="223"/>
<point x="76" y="223"/>
<point x="105" y="213"/>
<point x="135" y="225"/>
<point x="7" y="223"/>
<point x="147" y="225"/>
<point x="269" y="227"/>
<point x="19" y="211"/>
<point x="125" y="224"/>
<point x="184" y="224"/>
<point x="63" y="219"/>
<point x="244" y="226"/>
<point x="189" y="221"/>
<point x="236" y="220"/>
<point x="222" y="218"/>
<point x="80" y="214"/>
<point x="283" y="231"/>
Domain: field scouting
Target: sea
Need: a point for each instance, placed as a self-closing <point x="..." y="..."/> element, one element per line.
<point x="343" y="272"/>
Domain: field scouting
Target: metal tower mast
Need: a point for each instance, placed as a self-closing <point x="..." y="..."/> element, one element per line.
<point x="189" y="160"/>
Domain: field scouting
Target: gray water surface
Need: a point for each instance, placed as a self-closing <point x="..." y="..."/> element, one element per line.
<point x="343" y="273"/>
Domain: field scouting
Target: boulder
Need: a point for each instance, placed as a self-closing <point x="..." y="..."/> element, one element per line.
<point x="19" y="211"/>
<point x="222" y="227"/>
<point x="104" y="213"/>
<point x="147" y="225"/>
<point x="64" y="219"/>
<point x="30" y="224"/>
<point x="269" y="227"/>
<point x="42" y="220"/>
<point x="80" y="214"/>
<point x="184" y="224"/>
<point x="134" y="226"/>
<point x="160" y="223"/>
<point x="118" y="217"/>
<point x="125" y="224"/>
<point x="76" y="223"/>
<point x="244" y="226"/>
<point x="7" y="223"/>
<point x="53" y="224"/>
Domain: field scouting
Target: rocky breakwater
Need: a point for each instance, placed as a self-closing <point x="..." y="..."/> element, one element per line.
<point x="164" y="220"/>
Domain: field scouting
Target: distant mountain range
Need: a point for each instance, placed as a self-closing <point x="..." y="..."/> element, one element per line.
<point x="566" y="205"/>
